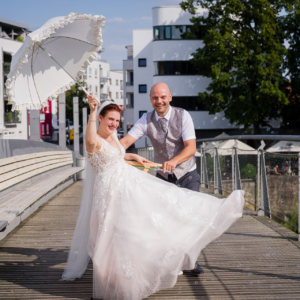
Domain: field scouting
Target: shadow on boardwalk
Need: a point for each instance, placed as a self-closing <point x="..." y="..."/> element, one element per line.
<point x="255" y="259"/>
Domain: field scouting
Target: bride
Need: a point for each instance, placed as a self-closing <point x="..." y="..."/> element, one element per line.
<point x="139" y="231"/>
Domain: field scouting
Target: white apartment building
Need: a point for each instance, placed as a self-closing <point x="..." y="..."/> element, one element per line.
<point x="103" y="82"/>
<point x="162" y="54"/>
<point x="13" y="125"/>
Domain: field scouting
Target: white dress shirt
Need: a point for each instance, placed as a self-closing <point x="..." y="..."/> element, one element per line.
<point x="188" y="131"/>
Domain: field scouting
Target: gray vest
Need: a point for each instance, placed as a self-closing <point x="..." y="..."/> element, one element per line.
<point x="167" y="146"/>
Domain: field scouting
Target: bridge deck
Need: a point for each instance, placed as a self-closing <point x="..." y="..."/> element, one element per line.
<point x="256" y="259"/>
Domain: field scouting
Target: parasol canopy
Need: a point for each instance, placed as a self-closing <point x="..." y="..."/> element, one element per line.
<point x="52" y="58"/>
<point x="285" y="146"/>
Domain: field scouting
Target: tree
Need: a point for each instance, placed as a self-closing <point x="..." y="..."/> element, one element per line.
<point x="243" y="56"/>
<point x="75" y="92"/>
<point x="291" y="24"/>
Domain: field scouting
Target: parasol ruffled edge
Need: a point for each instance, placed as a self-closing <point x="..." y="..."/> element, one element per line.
<point x="44" y="35"/>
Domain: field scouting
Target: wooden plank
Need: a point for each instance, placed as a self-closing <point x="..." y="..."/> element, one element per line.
<point x="17" y="158"/>
<point x="10" y="167"/>
<point x="17" y="179"/>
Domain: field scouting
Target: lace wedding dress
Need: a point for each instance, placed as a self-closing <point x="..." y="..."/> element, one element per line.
<point x="142" y="230"/>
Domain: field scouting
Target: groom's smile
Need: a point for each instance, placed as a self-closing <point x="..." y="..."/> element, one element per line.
<point x="160" y="97"/>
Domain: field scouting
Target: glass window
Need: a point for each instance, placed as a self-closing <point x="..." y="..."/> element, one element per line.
<point x="117" y="82"/>
<point x="142" y="62"/>
<point x="96" y="90"/>
<point x="90" y="72"/>
<point x="158" y="32"/>
<point x="117" y="95"/>
<point x="168" y="32"/>
<point x="142" y="88"/>
<point x="96" y="73"/>
<point x="188" y="103"/>
<point x="174" y="68"/>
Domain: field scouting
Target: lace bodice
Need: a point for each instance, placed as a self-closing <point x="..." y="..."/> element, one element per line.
<point x="106" y="157"/>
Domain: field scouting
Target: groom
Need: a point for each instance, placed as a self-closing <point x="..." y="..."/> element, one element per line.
<point x="172" y="134"/>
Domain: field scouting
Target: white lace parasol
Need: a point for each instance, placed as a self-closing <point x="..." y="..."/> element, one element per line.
<point x="52" y="58"/>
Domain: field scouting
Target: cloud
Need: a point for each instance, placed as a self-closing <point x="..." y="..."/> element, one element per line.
<point x="144" y="18"/>
<point x="116" y="20"/>
<point x="117" y="47"/>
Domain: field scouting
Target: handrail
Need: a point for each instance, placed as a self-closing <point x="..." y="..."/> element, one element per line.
<point x="294" y="138"/>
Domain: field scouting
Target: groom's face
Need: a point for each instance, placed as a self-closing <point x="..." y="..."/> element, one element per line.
<point x="160" y="98"/>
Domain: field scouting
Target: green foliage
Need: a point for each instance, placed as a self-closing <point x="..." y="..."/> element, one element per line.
<point x="20" y="38"/>
<point x="292" y="218"/>
<point x="210" y="165"/>
<point x="249" y="171"/>
<point x="243" y="55"/>
<point x="291" y="25"/>
<point x="75" y="92"/>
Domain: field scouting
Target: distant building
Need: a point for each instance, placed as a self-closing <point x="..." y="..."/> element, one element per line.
<point x="162" y="54"/>
<point x="103" y="82"/>
<point x="13" y="125"/>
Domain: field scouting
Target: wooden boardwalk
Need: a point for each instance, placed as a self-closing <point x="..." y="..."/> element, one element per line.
<point x="256" y="259"/>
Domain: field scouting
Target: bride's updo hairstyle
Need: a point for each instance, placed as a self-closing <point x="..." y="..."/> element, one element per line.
<point x="111" y="107"/>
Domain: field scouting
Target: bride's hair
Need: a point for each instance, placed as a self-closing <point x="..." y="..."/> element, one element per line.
<point x="111" y="107"/>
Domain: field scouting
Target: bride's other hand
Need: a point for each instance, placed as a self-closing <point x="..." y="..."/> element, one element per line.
<point x="137" y="158"/>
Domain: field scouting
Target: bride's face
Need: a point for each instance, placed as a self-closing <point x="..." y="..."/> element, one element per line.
<point x="110" y="122"/>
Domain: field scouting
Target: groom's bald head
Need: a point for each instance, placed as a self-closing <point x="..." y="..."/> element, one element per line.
<point x="160" y="97"/>
<point x="160" y="86"/>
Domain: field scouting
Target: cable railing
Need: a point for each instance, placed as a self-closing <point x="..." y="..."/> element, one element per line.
<point x="271" y="181"/>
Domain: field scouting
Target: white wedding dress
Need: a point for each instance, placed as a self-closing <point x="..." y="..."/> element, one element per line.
<point x="142" y="230"/>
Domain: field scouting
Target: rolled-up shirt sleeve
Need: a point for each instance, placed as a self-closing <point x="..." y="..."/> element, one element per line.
<point x="140" y="128"/>
<point x="188" y="129"/>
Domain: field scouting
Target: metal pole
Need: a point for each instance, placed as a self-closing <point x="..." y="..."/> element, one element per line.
<point x="62" y="119"/>
<point x="233" y="172"/>
<point x="201" y="164"/>
<point x="84" y="124"/>
<point x="215" y="171"/>
<point x="298" y="196"/>
<point x="76" y="125"/>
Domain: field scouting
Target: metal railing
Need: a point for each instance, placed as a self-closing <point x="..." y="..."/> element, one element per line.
<point x="129" y="83"/>
<point x="271" y="181"/>
<point x="12" y="118"/>
<point x="103" y="96"/>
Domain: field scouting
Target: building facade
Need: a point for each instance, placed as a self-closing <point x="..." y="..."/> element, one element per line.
<point x="103" y="82"/>
<point x="162" y="54"/>
<point x="13" y="125"/>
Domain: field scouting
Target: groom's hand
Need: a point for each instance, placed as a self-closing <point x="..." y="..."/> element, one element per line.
<point x="170" y="165"/>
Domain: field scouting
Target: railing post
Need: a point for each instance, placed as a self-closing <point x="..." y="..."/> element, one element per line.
<point x="205" y="177"/>
<point x="219" y="185"/>
<point x="215" y="150"/>
<point x="232" y="170"/>
<point x="259" y="183"/>
<point x="298" y="196"/>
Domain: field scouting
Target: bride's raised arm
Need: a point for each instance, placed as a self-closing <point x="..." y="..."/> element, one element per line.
<point x="92" y="143"/>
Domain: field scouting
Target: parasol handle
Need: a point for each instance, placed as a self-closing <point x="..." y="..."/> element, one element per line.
<point x="87" y="93"/>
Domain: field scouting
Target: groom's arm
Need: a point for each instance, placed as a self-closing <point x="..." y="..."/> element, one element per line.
<point x="127" y="141"/>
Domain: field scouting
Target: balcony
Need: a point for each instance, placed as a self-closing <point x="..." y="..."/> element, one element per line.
<point x="104" y="80"/>
<point x="129" y="83"/>
<point x="103" y="96"/>
<point x="11" y="118"/>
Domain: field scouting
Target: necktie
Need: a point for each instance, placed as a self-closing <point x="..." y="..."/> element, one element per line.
<point x="163" y="123"/>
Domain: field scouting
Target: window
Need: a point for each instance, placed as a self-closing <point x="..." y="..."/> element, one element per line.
<point x="96" y="73"/>
<point x="141" y="113"/>
<point x="188" y="103"/>
<point x="121" y="82"/>
<point x="142" y="88"/>
<point x="117" y="82"/>
<point x="96" y="90"/>
<point x="90" y="89"/>
<point x="47" y="127"/>
<point x="109" y="95"/>
<point x="121" y="95"/>
<point x="177" y="32"/>
<point x="90" y="72"/>
<point x="110" y="81"/>
<point x="129" y="100"/>
<point x="142" y="62"/>
<point x="117" y="95"/>
<point x="174" y="68"/>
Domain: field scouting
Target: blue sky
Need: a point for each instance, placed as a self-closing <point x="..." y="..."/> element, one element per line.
<point x="122" y="16"/>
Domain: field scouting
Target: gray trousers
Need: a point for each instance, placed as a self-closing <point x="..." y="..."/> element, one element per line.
<point x="191" y="180"/>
